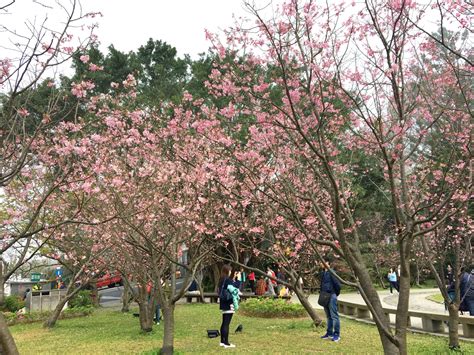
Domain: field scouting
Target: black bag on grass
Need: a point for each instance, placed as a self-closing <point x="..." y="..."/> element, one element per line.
<point x="213" y="333"/>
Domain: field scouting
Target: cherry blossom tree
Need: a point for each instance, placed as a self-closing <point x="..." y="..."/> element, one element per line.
<point x="33" y="53"/>
<point x="83" y="256"/>
<point x="319" y="85"/>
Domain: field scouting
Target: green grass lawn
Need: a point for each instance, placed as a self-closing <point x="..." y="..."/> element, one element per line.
<point x="438" y="298"/>
<point x="109" y="331"/>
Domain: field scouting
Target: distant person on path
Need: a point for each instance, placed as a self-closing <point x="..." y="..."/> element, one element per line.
<point x="261" y="287"/>
<point x="242" y="278"/>
<point x="237" y="279"/>
<point x="271" y="283"/>
<point x="226" y="305"/>
<point x="450" y="285"/>
<point x="151" y="298"/>
<point x="467" y="291"/>
<point x="251" y="278"/>
<point x="392" y="279"/>
<point x="283" y="292"/>
<point x="25" y="294"/>
<point x="280" y="276"/>
<point x="398" y="276"/>
<point x="332" y="286"/>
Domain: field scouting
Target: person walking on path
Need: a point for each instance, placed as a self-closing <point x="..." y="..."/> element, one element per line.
<point x="392" y="279"/>
<point x="226" y="305"/>
<point x="332" y="286"/>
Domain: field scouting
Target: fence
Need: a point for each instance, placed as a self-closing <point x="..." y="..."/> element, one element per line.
<point x="430" y="322"/>
<point x="44" y="300"/>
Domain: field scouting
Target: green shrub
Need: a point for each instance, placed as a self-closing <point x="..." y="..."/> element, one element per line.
<point x="18" y="318"/>
<point x="271" y="308"/>
<point x="82" y="299"/>
<point x="13" y="303"/>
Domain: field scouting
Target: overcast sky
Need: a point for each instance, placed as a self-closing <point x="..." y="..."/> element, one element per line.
<point x="128" y="24"/>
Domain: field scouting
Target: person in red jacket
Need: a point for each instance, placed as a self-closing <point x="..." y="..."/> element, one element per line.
<point x="251" y="279"/>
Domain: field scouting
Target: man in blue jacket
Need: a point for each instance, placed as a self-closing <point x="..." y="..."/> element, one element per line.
<point x="331" y="285"/>
<point x="467" y="291"/>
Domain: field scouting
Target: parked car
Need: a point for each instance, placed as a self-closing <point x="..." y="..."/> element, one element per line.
<point x="109" y="280"/>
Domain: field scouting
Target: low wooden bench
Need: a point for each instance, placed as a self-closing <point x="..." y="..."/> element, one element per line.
<point x="212" y="297"/>
<point x="431" y="322"/>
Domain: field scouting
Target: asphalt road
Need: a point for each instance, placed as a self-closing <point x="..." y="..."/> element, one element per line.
<point x="112" y="297"/>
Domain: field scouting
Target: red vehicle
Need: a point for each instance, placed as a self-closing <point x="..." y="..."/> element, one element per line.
<point x="109" y="280"/>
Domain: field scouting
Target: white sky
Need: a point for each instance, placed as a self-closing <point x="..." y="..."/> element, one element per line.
<point x="181" y="23"/>
<point x="128" y="24"/>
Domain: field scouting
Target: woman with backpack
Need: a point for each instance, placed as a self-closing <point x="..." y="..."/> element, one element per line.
<point x="226" y="305"/>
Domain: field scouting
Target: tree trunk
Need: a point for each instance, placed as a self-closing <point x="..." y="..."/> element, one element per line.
<point x="417" y="268"/>
<point x="146" y="316"/>
<point x="201" y="292"/>
<point x="168" y="334"/>
<point x="70" y="293"/>
<point x="7" y="343"/>
<point x="380" y="277"/>
<point x="307" y="306"/>
<point x="401" y="322"/>
<point x="126" y="298"/>
<point x="355" y="261"/>
<point x="216" y="272"/>
<point x="94" y="294"/>
<point x="453" y="326"/>
<point x="52" y="319"/>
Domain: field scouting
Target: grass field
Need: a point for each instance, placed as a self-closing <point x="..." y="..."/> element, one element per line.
<point x="438" y="298"/>
<point x="111" y="332"/>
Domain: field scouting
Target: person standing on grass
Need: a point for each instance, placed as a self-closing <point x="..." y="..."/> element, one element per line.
<point x="331" y="285"/>
<point x="226" y="305"/>
<point x="392" y="279"/>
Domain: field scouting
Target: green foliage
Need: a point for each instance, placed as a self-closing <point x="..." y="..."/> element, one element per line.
<point x="438" y="298"/>
<point x="271" y="308"/>
<point x="81" y="299"/>
<point x="13" y="303"/>
<point x="31" y="317"/>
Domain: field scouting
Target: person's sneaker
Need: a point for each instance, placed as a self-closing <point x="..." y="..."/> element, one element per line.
<point x="326" y="336"/>
<point x="229" y="346"/>
<point x="157" y="323"/>
<point x="336" y="338"/>
<point x="221" y="344"/>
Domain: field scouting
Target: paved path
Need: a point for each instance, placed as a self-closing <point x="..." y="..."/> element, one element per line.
<point x="418" y="301"/>
<point x="111" y="297"/>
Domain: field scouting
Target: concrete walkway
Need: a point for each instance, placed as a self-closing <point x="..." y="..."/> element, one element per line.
<point x="418" y="302"/>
